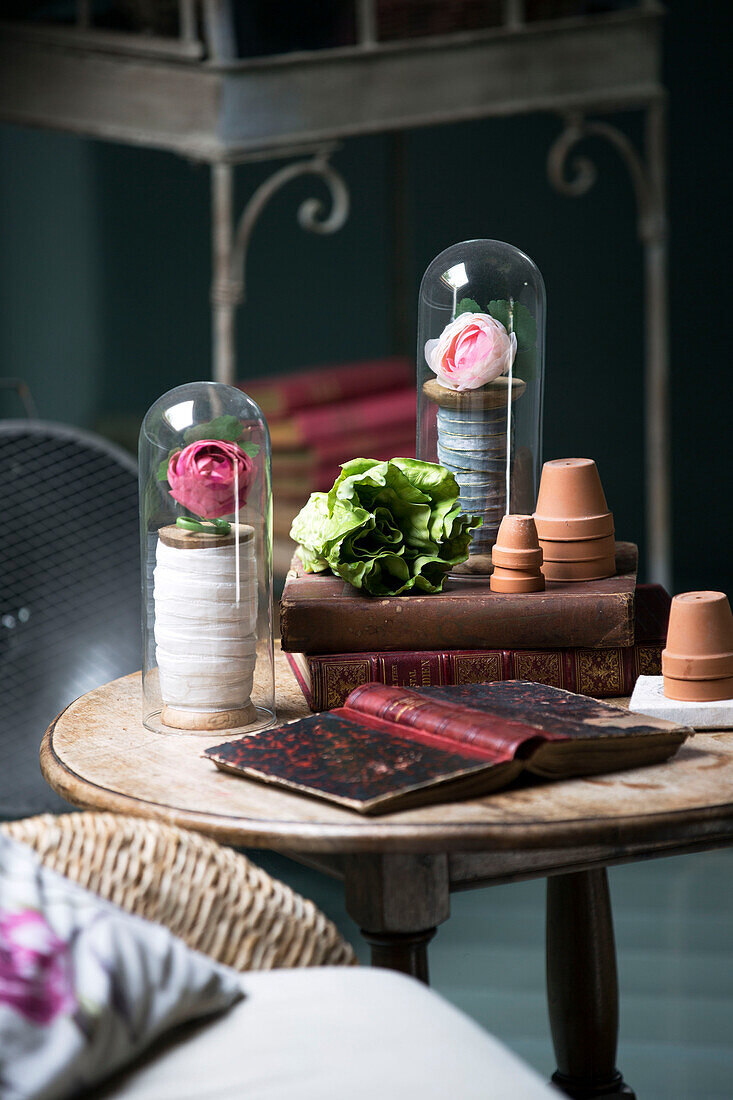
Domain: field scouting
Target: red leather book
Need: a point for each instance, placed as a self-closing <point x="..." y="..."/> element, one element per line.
<point x="290" y="393"/>
<point x="389" y="748"/>
<point x="605" y="673"/>
<point x="296" y="485"/>
<point x="330" y="453"/>
<point x="342" y="419"/>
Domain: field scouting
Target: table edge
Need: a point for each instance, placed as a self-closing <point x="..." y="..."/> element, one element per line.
<point x="614" y="834"/>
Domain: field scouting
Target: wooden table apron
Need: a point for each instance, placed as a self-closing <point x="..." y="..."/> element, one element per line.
<point x="399" y="869"/>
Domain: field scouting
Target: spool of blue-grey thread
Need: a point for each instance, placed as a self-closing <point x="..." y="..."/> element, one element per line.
<point x="473" y="438"/>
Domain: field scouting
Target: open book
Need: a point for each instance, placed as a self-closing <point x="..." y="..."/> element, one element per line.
<point x="390" y="748"/>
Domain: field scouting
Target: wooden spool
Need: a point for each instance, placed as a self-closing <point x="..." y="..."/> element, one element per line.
<point x="184" y="719"/>
<point x="493" y="395"/>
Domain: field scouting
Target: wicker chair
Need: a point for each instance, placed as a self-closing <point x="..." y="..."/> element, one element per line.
<point x="214" y="899"/>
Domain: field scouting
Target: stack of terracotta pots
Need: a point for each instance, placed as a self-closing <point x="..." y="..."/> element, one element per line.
<point x="697" y="664"/>
<point x="574" y="524"/>
<point x="517" y="557"/>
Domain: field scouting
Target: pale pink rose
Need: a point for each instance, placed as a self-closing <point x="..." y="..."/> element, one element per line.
<point x="203" y="475"/>
<point x="35" y="968"/>
<point x="472" y="350"/>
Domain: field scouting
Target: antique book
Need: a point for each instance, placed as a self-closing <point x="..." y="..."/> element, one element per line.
<point x="334" y="451"/>
<point x="290" y="483"/>
<point x="326" y="679"/>
<point x="289" y="393"/>
<point x="389" y="748"/>
<point x="382" y="411"/>
<point x="320" y="613"/>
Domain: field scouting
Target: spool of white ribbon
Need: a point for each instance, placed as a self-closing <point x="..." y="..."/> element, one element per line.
<point x="205" y="625"/>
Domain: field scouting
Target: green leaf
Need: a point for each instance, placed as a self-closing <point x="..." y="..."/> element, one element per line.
<point x="226" y="428"/>
<point x="388" y="528"/>
<point x="162" y="474"/>
<point x="525" y="364"/>
<point x="515" y="318"/>
<point x="467" y="305"/>
<point x="250" y="449"/>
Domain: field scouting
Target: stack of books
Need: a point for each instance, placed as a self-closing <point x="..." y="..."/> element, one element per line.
<point x="324" y="416"/>
<point x="594" y="638"/>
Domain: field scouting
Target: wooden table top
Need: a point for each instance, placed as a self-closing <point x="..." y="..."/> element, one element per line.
<point x="98" y="754"/>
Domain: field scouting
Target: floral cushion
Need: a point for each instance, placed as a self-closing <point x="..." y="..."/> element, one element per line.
<point x="85" y="987"/>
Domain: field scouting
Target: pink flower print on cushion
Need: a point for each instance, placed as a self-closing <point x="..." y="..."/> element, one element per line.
<point x="35" y="971"/>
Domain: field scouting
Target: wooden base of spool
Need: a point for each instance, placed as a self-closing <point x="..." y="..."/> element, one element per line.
<point x="179" y="719"/>
<point x="494" y="395"/>
<point x="476" y="565"/>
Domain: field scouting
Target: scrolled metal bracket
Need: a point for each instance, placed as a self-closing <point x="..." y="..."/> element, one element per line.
<point x="312" y="215"/>
<point x="583" y="172"/>
<point x="231" y="244"/>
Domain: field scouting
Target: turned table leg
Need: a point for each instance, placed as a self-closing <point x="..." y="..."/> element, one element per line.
<point x="397" y="901"/>
<point x="582" y="986"/>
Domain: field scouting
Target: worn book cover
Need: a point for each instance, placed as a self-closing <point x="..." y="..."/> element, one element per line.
<point x="320" y="613"/>
<point x="389" y="748"/>
<point x="604" y="672"/>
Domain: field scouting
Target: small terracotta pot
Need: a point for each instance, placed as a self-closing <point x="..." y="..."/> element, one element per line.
<point x="517" y="545"/>
<point x="517" y="557"/>
<point x="698" y="691"/>
<point x="526" y="560"/>
<point x="594" y="570"/>
<point x="571" y="503"/>
<point x="580" y="550"/>
<point x="515" y="580"/>
<point x="699" y="638"/>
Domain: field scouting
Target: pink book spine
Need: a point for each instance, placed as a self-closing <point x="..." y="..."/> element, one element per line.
<point x="325" y="385"/>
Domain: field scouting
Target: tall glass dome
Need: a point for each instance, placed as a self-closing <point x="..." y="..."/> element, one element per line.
<point x="480" y="379"/>
<point x="206" y="542"/>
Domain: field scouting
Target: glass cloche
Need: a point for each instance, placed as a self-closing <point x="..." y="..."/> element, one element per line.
<point x="206" y="531"/>
<point x="480" y="378"/>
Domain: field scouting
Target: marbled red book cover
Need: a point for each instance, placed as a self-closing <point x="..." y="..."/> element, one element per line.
<point x="389" y="747"/>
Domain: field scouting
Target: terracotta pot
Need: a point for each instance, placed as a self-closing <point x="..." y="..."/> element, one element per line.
<point x="515" y="580"/>
<point x="526" y="560"/>
<point x="698" y="691"/>
<point x="517" y="557"/>
<point x="594" y="570"/>
<point x="579" y="550"/>
<point x="571" y="503"/>
<point x="699" y="638"/>
<point x="517" y="546"/>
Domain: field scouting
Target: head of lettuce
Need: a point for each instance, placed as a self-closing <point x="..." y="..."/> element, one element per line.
<point x="389" y="528"/>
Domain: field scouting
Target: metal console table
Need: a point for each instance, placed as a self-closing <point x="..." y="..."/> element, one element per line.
<point x="193" y="96"/>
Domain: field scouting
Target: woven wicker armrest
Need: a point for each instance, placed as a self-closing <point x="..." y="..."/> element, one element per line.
<point x="213" y="898"/>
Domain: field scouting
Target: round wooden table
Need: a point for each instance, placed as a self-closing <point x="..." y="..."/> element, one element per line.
<point x="399" y="869"/>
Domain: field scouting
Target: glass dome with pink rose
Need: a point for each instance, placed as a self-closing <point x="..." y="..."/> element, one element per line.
<point x="206" y="555"/>
<point x="480" y="381"/>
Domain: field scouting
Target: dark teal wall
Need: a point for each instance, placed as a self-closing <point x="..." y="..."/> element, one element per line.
<point x="104" y="279"/>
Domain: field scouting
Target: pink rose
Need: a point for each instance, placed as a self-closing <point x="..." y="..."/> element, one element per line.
<point x="472" y="350"/>
<point x="35" y="971"/>
<point x="202" y="477"/>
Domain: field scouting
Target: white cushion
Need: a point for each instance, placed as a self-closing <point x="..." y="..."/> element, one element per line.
<point x="84" y="986"/>
<point x="334" y="1034"/>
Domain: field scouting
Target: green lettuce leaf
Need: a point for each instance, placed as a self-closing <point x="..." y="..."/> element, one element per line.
<point x="388" y="528"/>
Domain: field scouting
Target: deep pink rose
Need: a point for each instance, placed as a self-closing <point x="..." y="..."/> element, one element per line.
<point x="471" y="351"/>
<point x="202" y="477"/>
<point x="35" y="972"/>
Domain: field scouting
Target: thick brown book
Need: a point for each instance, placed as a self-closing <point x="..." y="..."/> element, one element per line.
<point x="326" y="679"/>
<point x="320" y="613"/>
<point x="388" y="748"/>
